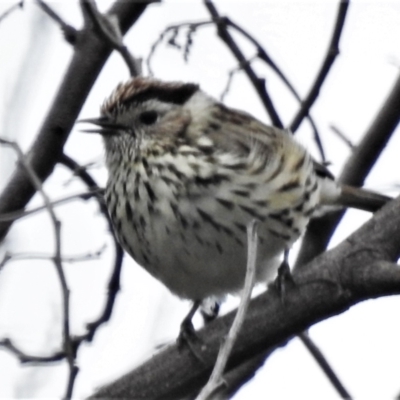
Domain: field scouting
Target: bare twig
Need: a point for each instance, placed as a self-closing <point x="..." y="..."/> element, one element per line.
<point x="11" y="9"/>
<point x="216" y="380"/>
<point x="57" y="259"/>
<point x="174" y="30"/>
<point x="343" y="137"/>
<point x="114" y="282"/>
<point x="26" y="358"/>
<point x="13" y="216"/>
<point x="70" y="33"/>
<point x="5" y="260"/>
<point x="332" y="53"/>
<point x="108" y="27"/>
<point x="10" y="257"/>
<point x="258" y="83"/>
<point x="97" y="163"/>
<point x="231" y="75"/>
<point x="324" y="365"/>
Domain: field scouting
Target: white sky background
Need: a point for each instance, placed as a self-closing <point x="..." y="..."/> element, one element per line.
<point x="362" y="344"/>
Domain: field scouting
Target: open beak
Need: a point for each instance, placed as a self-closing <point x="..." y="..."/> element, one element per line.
<point x="105" y="126"/>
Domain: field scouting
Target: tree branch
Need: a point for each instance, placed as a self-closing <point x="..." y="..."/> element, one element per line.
<point x="358" y="269"/>
<point x="69" y="349"/>
<point x="70" y="33"/>
<point x="10" y="10"/>
<point x="324" y="365"/>
<point x="332" y="53"/>
<point x="114" y="281"/>
<point x="26" y="358"/>
<point x="107" y="26"/>
<point x="216" y="381"/>
<point x="258" y="83"/>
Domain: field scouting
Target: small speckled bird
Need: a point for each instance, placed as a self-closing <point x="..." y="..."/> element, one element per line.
<point x="186" y="176"/>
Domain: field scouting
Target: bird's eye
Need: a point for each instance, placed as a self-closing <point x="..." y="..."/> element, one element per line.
<point x="148" y="117"/>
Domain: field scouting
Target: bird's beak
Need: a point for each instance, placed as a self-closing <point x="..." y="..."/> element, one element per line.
<point x="106" y="127"/>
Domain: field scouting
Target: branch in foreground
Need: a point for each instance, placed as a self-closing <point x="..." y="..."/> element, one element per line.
<point x="216" y="382"/>
<point x="358" y="269"/>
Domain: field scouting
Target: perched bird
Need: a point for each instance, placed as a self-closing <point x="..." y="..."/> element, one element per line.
<point x="186" y="176"/>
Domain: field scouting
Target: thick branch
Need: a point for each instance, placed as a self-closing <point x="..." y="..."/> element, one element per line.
<point x="90" y="54"/>
<point x="360" y="268"/>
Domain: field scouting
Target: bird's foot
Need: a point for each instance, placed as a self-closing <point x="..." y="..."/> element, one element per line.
<point x="209" y="310"/>
<point x="187" y="334"/>
<point x="284" y="280"/>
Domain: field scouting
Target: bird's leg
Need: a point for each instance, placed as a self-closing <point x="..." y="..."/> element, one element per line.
<point x="187" y="335"/>
<point x="187" y="331"/>
<point x="284" y="276"/>
<point x="209" y="311"/>
<point x="284" y="279"/>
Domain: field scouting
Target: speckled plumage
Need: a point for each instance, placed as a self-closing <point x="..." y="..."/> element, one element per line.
<point x="187" y="174"/>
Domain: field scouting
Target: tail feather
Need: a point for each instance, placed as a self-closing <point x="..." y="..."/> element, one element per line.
<point x="361" y="199"/>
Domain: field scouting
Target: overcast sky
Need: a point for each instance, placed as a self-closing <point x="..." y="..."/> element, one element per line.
<point x="362" y="344"/>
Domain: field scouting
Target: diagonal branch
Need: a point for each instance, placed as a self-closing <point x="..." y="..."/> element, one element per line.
<point x="107" y="26"/>
<point x="332" y="53"/>
<point x="10" y="10"/>
<point x="216" y="380"/>
<point x="324" y="365"/>
<point x="70" y="33"/>
<point x="258" y="83"/>
<point x="264" y="56"/>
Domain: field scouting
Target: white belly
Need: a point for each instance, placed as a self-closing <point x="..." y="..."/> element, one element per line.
<point x="186" y="225"/>
<point x="198" y="246"/>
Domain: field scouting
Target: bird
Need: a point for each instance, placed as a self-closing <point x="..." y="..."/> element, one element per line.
<point x="187" y="174"/>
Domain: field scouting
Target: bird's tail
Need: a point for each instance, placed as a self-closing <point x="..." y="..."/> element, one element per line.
<point x="361" y="199"/>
